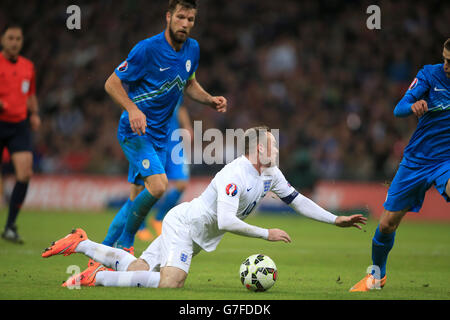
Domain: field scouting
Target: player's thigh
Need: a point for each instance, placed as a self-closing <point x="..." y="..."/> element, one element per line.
<point x="23" y="165"/>
<point x="172" y="277"/>
<point x="407" y="190"/>
<point x="144" y="159"/>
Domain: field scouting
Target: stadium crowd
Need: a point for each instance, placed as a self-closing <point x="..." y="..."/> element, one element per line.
<point x="310" y="68"/>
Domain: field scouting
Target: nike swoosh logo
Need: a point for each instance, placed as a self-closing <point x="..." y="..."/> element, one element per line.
<point x="438" y="89"/>
<point x="249" y="189"/>
<point x="161" y="69"/>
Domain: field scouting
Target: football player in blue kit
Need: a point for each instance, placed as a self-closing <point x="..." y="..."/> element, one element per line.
<point x="158" y="72"/>
<point x="426" y="161"/>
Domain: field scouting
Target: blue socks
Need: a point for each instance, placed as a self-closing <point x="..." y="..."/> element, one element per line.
<point x="170" y="200"/>
<point x="118" y="224"/>
<point x="382" y="243"/>
<point x="139" y="209"/>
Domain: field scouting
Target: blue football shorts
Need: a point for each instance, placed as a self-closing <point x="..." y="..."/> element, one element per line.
<point x="412" y="181"/>
<point x="176" y="164"/>
<point x="144" y="158"/>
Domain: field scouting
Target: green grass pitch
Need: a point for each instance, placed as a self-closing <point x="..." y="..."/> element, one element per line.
<point x="322" y="262"/>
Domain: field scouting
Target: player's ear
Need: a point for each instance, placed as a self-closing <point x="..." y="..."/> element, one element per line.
<point x="168" y="16"/>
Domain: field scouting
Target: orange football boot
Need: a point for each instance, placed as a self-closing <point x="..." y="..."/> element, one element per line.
<point x="66" y="246"/>
<point x="368" y="283"/>
<point x="85" y="278"/>
<point x="130" y="250"/>
<point x="156" y="225"/>
<point x="92" y="262"/>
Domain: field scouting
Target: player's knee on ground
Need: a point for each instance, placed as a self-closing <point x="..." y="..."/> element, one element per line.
<point x="172" y="277"/>
<point x="138" y="265"/>
<point x="157" y="185"/>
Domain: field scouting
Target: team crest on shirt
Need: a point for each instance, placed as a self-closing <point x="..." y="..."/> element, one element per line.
<point x="231" y="190"/>
<point x="123" y="66"/>
<point x="184" y="257"/>
<point x="413" y="84"/>
<point x="146" y="163"/>
<point x="267" y="184"/>
<point x="188" y="65"/>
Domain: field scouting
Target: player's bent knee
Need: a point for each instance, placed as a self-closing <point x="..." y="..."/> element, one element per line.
<point x="390" y="221"/>
<point x="138" y="265"/>
<point x="157" y="185"/>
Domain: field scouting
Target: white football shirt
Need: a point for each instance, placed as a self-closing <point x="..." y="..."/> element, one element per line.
<point x="240" y="186"/>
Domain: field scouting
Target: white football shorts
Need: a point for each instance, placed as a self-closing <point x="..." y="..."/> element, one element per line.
<point x="174" y="247"/>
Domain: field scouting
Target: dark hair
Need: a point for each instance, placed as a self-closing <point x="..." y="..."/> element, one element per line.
<point x="252" y="136"/>
<point x="188" y="4"/>
<point x="447" y="44"/>
<point x="12" y="25"/>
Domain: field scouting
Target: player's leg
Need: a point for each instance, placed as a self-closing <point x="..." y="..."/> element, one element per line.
<point x="406" y="193"/>
<point x="383" y="240"/>
<point x="148" y="164"/>
<point x="155" y="186"/>
<point x="23" y="168"/>
<point x="78" y="242"/>
<point x="118" y="224"/>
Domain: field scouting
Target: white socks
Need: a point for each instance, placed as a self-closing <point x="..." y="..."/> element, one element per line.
<point x="147" y="279"/>
<point x="117" y="259"/>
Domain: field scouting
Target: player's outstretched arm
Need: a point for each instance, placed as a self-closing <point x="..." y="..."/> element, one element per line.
<point x="350" y="221"/>
<point x="195" y="91"/>
<point x="310" y="209"/>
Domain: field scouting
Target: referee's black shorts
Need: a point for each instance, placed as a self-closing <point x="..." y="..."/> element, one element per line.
<point x="15" y="136"/>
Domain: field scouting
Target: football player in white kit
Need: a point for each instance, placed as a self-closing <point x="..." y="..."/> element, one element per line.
<point x="200" y="224"/>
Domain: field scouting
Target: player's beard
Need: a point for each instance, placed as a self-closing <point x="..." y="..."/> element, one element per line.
<point x="173" y="36"/>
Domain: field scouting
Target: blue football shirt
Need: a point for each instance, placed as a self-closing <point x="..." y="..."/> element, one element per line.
<point x="156" y="75"/>
<point x="430" y="141"/>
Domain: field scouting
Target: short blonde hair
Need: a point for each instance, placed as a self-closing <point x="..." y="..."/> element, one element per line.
<point x="252" y="137"/>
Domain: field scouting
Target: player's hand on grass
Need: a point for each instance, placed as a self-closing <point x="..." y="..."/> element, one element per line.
<point x="219" y="104"/>
<point x="350" y="221"/>
<point x="138" y="121"/>
<point x="278" y="235"/>
<point x="419" y="108"/>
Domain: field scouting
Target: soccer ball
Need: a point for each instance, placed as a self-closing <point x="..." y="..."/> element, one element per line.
<point x="258" y="273"/>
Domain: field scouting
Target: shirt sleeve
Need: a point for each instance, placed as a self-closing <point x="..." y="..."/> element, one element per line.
<point x="228" y="221"/>
<point x="134" y="67"/>
<point x="281" y="186"/>
<point x="417" y="89"/>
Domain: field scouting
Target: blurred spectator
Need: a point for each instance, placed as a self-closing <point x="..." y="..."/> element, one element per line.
<point x="310" y="68"/>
